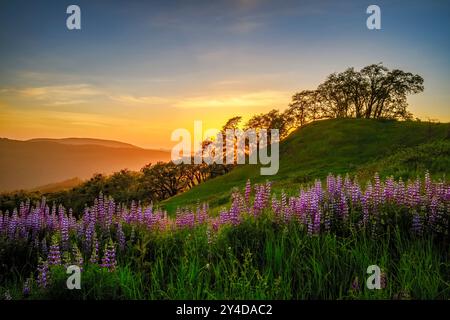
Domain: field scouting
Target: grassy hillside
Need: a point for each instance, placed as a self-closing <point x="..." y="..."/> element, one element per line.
<point x="339" y="146"/>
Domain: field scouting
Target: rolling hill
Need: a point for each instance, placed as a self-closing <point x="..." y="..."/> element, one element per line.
<point x="86" y="141"/>
<point x="355" y="146"/>
<point x="27" y="164"/>
<point x="57" y="186"/>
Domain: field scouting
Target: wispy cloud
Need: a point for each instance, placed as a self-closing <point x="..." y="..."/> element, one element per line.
<point x="147" y="100"/>
<point x="76" y="94"/>
<point x="57" y="95"/>
<point x="267" y="98"/>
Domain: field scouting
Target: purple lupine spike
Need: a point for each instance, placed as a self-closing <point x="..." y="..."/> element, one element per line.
<point x="400" y="192"/>
<point x="433" y="211"/>
<point x="316" y="222"/>
<point x="43" y="275"/>
<point x="121" y="237"/>
<point x="343" y="206"/>
<point x="64" y="232"/>
<point x="276" y="208"/>
<point x="416" y="223"/>
<point x="318" y="189"/>
<point x="89" y="232"/>
<point x="44" y="248"/>
<point x="356" y="194"/>
<point x="348" y="186"/>
<point x="413" y="191"/>
<point x="234" y="212"/>
<point x="109" y="256"/>
<point x="258" y="204"/>
<point x="283" y="200"/>
<point x="224" y="217"/>
<point x="327" y="219"/>
<point x="365" y="208"/>
<point x="248" y="191"/>
<point x="389" y="190"/>
<point x="109" y="212"/>
<point x="331" y="185"/>
<point x="377" y="191"/>
<point x="339" y="185"/>
<point x="133" y="211"/>
<point x="13" y="224"/>
<point x="428" y="186"/>
<point x="6" y="221"/>
<point x="94" y="253"/>
<point x="54" y="254"/>
<point x="35" y="224"/>
<point x="268" y="191"/>
<point x="201" y="215"/>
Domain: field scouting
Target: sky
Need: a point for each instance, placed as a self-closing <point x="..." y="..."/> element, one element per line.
<point x="137" y="70"/>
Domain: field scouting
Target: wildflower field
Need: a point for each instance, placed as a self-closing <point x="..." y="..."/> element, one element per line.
<point x="314" y="244"/>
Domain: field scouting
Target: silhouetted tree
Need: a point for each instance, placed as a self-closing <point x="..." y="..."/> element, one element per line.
<point x="372" y="92"/>
<point x="270" y="120"/>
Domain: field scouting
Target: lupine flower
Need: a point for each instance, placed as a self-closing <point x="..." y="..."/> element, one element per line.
<point x="65" y="232"/>
<point x="259" y="202"/>
<point x="248" y="190"/>
<point x="365" y="208"/>
<point x="234" y="212"/>
<point x="44" y="248"/>
<point x="416" y="223"/>
<point x="54" y="254"/>
<point x="120" y="237"/>
<point x="109" y="256"/>
<point x="42" y="279"/>
<point x="224" y="217"/>
<point x="94" y="253"/>
<point x="276" y="208"/>
<point x="319" y="208"/>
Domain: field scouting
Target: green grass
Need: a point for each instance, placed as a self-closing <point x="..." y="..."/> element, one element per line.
<point x="260" y="259"/>
<point x="336" y="146"/>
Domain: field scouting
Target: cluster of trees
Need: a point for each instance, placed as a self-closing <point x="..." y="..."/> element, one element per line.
<point x="373" y="92"/>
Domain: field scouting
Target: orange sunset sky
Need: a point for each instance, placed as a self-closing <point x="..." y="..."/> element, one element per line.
<point x="137" y="74"/>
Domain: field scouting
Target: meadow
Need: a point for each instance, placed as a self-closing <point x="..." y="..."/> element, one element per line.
<point x="315" y="244"/>
<point x="358" y="147"/>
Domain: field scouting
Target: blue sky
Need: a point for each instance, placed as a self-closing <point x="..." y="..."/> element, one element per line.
<point x="145" y="68"/>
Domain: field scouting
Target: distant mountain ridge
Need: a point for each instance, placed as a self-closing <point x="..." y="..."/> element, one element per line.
<point x="57" y="186"/>
<point x="86" y="141"/>
<point x="40" y="162"/>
